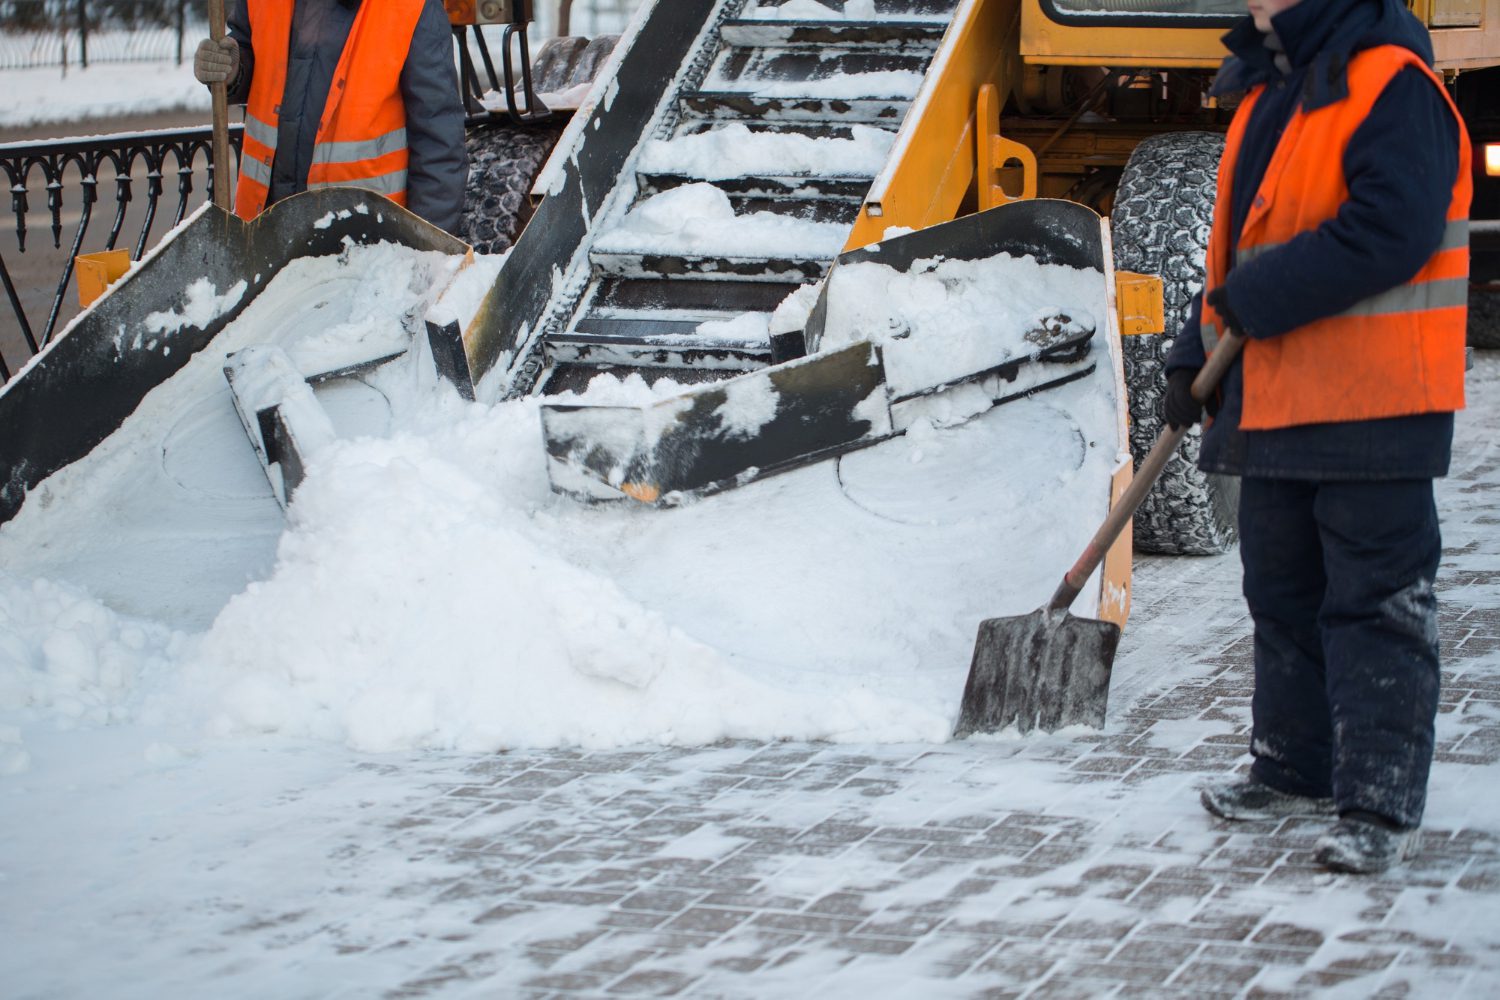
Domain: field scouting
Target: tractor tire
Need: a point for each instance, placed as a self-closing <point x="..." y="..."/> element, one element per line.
<point x="1162" y="215"/>
<point x="504" y="160"/>
<point x="1484" y="319"/>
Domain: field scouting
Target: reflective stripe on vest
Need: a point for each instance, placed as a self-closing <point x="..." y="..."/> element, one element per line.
<point x="368" y="149"/>
<point x="1440" y="293"/>
<point x="260" y="131"/>
<point x="390" y="185"/>
<point x="1395" y="353"/>
<point x="361" y="138"/>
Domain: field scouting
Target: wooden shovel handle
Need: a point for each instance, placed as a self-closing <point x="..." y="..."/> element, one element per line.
<point x="1145" y="477"/>
<point x="220" y="92"/>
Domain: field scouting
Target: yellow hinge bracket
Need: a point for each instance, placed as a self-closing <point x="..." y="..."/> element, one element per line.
<point x="995" y="151"/>
<point x="1138" y="299"/>
<point x="97" y="271"/>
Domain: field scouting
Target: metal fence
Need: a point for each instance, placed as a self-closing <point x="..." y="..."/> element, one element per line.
<point x="150" y="180"/>
<point x="75" y="33"/>
<point x="81" y="195"/>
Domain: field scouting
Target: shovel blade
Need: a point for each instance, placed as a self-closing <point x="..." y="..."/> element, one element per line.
<point x="1043" y="671"/>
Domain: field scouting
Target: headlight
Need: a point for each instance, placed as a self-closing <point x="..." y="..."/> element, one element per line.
<point x="1492" y="159"/>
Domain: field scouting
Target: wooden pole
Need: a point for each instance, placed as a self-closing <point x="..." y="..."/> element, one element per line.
<point x="220" y="93"/>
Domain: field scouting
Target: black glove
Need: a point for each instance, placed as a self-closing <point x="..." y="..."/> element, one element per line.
<point x="1219" y="300"/>
<point x="1179" y="408"/>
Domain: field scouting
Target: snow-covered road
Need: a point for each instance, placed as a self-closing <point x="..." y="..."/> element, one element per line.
<point x="141" y="861"/>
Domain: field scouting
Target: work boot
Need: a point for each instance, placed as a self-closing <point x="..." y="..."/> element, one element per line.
<point x="1364" y="844"/>
<point x="1251" y="799"/>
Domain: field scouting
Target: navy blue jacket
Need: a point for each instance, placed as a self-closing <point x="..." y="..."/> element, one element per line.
<point x="438" y="163"/>
<point x="1399" y="168"/>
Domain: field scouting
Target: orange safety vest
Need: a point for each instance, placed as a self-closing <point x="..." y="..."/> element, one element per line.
<point x="1396" y="353"/>
<point x="361" y="139"/>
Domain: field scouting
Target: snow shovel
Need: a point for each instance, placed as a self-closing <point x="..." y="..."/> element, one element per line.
<point x="1050" y="669"/>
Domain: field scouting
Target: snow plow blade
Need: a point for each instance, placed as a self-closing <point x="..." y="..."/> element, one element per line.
<point x="721" y="434"/>
<point x="1054" y="232"/>
<point x="282" y="418"/>
<point x="173" y="303"/>
<point x="839" y="396"/>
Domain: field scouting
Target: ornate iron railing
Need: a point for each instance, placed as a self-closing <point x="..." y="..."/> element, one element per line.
<point x="71" y="171"/>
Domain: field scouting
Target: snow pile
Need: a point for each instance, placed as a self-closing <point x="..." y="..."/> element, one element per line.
<point x="463" y="297"/>
<point x="736" y="151"/>
<point x="944" y="319"/>
<point x="464" y="627"/>
<point x="792" y="313"/>
<point x="68" y="656"/>
<point x="699" y="219"/>
<point x="169" y="517"/>
<point x="428" y="589"/>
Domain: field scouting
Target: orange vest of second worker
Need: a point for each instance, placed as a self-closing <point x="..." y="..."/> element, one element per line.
<point x="1397" y="353"/>
<point x="361" y="139"/>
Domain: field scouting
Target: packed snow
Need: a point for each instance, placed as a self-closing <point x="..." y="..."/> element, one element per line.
<point x="734" y="150"/>
<point x="428" y="589"/>
<point x="750" y="329"/>
<point x="943" y="320"/>
<point x="204" y="305"/>
<point x="700" y="219"/>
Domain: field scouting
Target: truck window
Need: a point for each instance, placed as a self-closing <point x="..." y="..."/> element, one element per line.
<point x="1111" y="10"/>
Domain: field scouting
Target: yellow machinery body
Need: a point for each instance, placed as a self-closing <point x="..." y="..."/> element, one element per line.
<point x="988" y="122"/>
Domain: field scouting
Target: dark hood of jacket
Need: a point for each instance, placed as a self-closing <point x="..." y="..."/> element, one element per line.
<point x="1319" y="37"/>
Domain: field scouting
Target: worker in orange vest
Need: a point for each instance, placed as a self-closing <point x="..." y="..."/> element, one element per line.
<point x="343" y="92"/>
<point x="1339" y="249"/>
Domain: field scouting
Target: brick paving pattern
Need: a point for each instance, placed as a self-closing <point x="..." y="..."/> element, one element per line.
<point x="1077" y="864"/>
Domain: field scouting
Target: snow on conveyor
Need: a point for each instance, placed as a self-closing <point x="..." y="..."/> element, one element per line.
<point x="430" y="590"/>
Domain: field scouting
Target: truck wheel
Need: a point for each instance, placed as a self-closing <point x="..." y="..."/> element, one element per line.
<point x="1162" y="216"/>
<point x="504" y="160"/>
<point x="1484" y="319"/>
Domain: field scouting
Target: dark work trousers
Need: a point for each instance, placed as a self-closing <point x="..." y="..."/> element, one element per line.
<point x="1339" y="580"/>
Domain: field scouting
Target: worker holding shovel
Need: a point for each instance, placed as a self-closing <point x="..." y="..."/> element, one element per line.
<point x="343" y="92"/>
<point x="1340" y="252"/>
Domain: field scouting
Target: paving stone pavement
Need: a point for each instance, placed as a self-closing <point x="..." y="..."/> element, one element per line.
<point x="1072" y="865"/>
<point x="1076" y="864"/>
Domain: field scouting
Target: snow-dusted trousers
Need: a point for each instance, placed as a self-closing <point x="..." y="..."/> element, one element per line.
<point x="1339" y="581"/>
